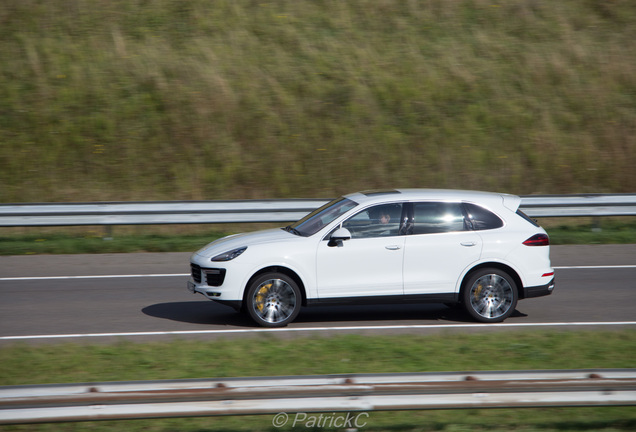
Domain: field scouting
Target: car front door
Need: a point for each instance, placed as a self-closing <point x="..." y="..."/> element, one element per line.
<point x="367" y="264"/>
<point x="441" y="246"/>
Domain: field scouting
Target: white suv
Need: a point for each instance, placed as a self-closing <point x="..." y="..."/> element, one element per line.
<point x="410" y="245"/>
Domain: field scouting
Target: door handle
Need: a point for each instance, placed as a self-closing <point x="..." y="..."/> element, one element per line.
<point x="392" y="247"/>
<point x="468" y="244"/>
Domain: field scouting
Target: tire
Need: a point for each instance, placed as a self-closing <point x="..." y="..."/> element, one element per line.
<point x="490" y="295"/>
<point x="273" y="300"/>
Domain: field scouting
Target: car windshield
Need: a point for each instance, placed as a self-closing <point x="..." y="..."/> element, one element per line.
<point x="316" y="220"/>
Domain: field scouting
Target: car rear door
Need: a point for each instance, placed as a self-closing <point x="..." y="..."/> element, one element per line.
<point x="441" y="246"/>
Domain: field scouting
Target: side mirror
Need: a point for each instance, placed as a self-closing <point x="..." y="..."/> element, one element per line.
<point x="338" y="237"/>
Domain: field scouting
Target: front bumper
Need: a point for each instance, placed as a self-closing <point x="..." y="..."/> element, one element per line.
<point x="206" y="281"/>
<point x="209" y="292"/>
<point x="539" y="291"/>
<point x="213" y="295"/>
<point x="216" y="282"/>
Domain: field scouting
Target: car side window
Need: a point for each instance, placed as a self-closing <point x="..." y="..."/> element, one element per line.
<point x="438" y="217"/>
<point x="378" y="221"/>
<point x="481" y="218"/>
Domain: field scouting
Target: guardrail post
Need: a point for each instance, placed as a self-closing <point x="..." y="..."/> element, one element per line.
<point x="108" y="232"/>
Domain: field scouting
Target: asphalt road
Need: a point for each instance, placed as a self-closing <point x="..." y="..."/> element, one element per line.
<point x="95" y="298"/>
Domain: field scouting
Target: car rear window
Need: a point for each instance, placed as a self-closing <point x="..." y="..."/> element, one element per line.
<point x="481" y="218"/>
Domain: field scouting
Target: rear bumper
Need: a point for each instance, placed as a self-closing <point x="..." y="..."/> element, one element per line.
<point x="539" y="291"/>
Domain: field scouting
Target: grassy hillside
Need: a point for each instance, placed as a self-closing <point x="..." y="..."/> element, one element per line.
<point x="172" y="99"/>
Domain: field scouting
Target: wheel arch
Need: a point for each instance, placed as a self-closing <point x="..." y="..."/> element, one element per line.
<point x="275" y="269"/>
<point x="497" y="265"/>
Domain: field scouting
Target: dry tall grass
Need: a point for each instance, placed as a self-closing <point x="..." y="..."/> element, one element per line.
<point x="171" y="99"/>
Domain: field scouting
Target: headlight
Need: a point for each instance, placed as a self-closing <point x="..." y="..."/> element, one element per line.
<point x="230" y="255"/>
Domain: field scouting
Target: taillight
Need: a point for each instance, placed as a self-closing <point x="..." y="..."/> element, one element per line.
<point x="538" y="240"/>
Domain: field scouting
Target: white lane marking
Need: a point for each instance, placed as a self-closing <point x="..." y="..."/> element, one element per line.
<point x="36" y="278"/>
<point x="315" y="329"/>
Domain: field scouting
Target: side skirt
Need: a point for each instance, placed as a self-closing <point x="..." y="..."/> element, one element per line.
<point x="370" y="300"/>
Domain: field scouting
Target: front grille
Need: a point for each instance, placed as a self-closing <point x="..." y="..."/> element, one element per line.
<point x="214" y="277"/>
<point x="196" y="272"/>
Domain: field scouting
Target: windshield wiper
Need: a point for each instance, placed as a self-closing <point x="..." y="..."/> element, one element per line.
<point x="292" y="230"/>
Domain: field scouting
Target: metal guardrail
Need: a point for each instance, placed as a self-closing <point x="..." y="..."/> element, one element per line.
<point x="156" y="213"/>
<point x="267" y="211"/>
<point x="595" y="205"/>
<point x="316" y="394"/>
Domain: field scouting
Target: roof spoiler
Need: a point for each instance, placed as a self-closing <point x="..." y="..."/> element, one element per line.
<point x="511" y="201"/>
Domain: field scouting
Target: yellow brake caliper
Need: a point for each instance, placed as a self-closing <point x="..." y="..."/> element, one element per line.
<point x="478" y="291"/>
<point x="260" y="296"/>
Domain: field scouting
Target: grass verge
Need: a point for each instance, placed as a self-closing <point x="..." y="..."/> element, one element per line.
<point x="594" y="232"/>
<point x="63" y="243"/>
<point x="272" y="356"/>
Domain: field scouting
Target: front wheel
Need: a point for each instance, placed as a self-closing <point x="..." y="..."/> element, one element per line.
<point x="273" y="300"/>
<point x="490" y="295"/>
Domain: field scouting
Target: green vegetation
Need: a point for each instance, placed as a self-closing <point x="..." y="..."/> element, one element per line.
<point x="66" y="243"/>
<point x="599" y="232"/>
<point x="172" y="99"/>
<point x="271" y="356"/>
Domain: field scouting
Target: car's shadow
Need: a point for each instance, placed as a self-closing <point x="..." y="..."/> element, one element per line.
<point x="210" y="313"/>
<point x="199" y="312"/>
<point x="380" y="314"/>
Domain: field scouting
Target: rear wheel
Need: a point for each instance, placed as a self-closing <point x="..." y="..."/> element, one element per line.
<point x="273" y="300"/>
<point x="490" y="295"/>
